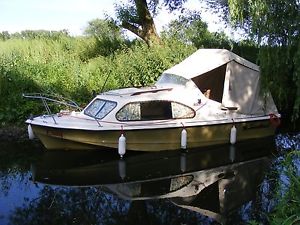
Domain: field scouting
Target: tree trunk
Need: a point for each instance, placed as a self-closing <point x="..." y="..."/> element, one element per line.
<point x="144" y="27"/>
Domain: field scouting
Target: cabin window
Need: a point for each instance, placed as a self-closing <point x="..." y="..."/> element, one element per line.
<point x="99" y="108"/>
<point x="167" y="78"/>
<point x="180" y="111"/>
<point x="130" y="111"/>
<point x="154" y="110"/>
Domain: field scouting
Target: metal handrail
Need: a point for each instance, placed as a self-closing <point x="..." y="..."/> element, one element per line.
<point x="47" y="97"/>
<point x="59" y="101"/>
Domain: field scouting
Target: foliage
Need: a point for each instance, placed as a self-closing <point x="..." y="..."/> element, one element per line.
<point x="289" y="194"/>
<point x="108" y="37"/>
<point x="141" y="66"/>
<point x="36" y="34"/>
<point x="190" y="28"/>
<point x="281" y="76"/>
<point x="66" y="67"/>
<point x="275" y="25"/>
<point x="41" y="66"/>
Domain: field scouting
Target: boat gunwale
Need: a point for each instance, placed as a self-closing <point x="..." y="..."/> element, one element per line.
<point x="158" y="125"/>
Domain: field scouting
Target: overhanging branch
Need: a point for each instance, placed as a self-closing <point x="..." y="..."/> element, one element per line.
<point x="134" y="29"/>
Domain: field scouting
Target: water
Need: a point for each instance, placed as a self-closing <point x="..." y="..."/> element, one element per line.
<point x="215" y="185"/>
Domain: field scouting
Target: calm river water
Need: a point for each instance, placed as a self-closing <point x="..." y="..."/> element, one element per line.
<point x="215" y="185"/>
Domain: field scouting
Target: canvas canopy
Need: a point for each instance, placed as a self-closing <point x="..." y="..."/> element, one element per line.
<point x="229" y="78"/>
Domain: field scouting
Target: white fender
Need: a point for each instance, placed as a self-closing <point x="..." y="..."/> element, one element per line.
<point x="183" y="138"/>
<point x="30" y="132"/>
<point x="233" y="135"/>
<point x="122" y="146"/>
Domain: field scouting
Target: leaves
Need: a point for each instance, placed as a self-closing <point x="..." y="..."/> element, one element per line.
<point x="66" y="67"/>
<point x="190" y="29"/>
<point x="275" y="25"/>
<point x="108" y="37"/>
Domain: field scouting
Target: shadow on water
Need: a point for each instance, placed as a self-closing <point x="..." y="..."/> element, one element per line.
<point x="216" y="185"/>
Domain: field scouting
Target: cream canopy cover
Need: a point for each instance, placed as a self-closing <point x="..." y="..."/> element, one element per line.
<point x="231" y="79"/>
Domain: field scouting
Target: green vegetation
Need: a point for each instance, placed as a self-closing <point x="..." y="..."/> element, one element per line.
<point x="275" y="25"/>
<point x="282" y="192"/>
<point x="287" y="210"/>
<point x="75" y="67"/>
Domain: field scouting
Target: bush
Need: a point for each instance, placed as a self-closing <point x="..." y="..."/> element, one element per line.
<point x="63" y="67"/>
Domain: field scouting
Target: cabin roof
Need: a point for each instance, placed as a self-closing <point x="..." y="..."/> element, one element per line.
<point x="205" y="60"/>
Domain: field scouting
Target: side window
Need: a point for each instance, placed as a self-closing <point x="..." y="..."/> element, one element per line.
<point x="131" y="111"/>
<point x="180" y="111"/>
<point x="154" y="110"/>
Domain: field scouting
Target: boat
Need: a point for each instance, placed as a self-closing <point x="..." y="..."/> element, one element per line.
<point x="212" y="97"/>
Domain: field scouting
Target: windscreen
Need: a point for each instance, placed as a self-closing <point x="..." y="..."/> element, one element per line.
<point x="99" y="108"/>
<point x="167" y="78"/>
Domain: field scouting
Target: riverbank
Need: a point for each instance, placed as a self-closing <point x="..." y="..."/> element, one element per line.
<point x="13" y="133"/>
<point x="16" y="136"/>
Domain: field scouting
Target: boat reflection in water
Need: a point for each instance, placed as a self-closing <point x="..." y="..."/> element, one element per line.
<point x="213" y="181"/>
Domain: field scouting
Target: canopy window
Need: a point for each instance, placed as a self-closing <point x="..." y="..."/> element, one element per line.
<point x="211" y="83"/>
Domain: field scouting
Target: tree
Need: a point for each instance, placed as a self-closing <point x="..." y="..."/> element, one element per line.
<point x="107" y="34"/>
<point x="190" y="29"/>
<point x="137" y="17"/>
<point x="4" y="35"/>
